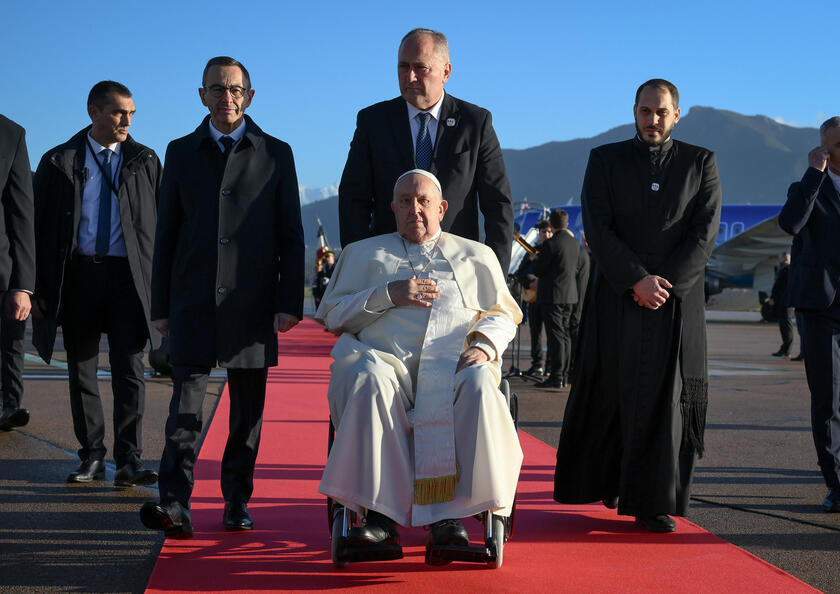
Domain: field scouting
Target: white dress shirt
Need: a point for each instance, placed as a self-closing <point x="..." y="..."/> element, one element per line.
<point x="89" y="219"/>
<point x="835" y="178"/>
<point x="434" y="111"/>
<point x="236" y="134"/>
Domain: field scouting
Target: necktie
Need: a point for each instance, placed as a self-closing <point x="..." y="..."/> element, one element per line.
<point x="103" y="226"/>
<point x="228" y="142"/>
<point x="423" y="149"/>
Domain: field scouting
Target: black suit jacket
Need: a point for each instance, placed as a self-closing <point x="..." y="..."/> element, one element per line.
<point x="229" y="249"/>
<point x="467" y="160"/>
<point x="17" y="237"/>
<point x="59" y="185"/>
<point x="812" y="215"/>
<point x="556" y="267"/>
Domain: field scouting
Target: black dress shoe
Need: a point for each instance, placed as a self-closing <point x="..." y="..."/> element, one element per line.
<point x="536" y="371"/>
<point x="782" y="354"/>
<point x="610" y="502"/>
<point x="132" y="474"/>
<point x="831" y="503"/>
<point x="377" y="530"/>
<point x="551" y="382"/>
<point x="15" y="417"/>
<point x="173" y="518"/>
<point x="798" y="357"/>
<point x="87" y="471"/>
<point x="236" y="516"/>
<point x="661" y="523"/>
<point x="449" y="533"/>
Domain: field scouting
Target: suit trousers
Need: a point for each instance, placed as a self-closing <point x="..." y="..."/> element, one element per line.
<point x="786" y="328"/>
<point x="556" y="316"/>
<point x="101" y="298"/>
<point x="184" y="428"/>
<point x="12" y="333"/>
<point x="821" y="337"/>
<point x="535" y="325"/>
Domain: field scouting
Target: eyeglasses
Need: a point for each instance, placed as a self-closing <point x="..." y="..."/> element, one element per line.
<point x="218" y="91"/>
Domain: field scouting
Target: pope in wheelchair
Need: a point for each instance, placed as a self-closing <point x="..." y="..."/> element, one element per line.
<point x="423" y="434"/>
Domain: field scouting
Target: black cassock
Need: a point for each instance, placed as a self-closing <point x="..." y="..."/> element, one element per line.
<point x="636" y="413"/>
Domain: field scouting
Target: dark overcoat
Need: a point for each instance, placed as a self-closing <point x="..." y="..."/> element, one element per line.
<point x="556" y="265"/>
<point x="229" y="251"/>
<point x="17" y="235"/>
<point x="59" y="184"/>
<point x="467" y="159"/>
<point x="636" y="411"/>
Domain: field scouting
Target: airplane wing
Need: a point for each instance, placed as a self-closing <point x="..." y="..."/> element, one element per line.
<point x="754" y="252"/>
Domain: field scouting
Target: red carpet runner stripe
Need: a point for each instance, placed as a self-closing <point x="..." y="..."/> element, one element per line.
<point x="555" y="548"/>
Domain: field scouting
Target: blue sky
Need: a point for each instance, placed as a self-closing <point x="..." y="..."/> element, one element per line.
<point x="547" y="70"/>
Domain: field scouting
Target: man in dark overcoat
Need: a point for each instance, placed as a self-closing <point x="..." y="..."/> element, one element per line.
<point x="228" y="275"/>
<point x="432" y="130"/>
<point x="636" y="413"/>
<point x="555" y="266"/>
<point x="812" y="215"/>
<point x="17" y="266"/>
<point x="95" y="211"/>
<point x="778" y="299"/>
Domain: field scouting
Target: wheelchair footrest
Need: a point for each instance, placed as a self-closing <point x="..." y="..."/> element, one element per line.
<point x="442" y="554"/>
<point x="378" y="553"/>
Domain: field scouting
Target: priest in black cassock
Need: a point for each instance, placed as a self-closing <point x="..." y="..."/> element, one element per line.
<point x="636" y="414"/>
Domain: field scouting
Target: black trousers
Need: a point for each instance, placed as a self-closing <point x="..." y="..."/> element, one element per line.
<point x="12" y="333"/>
<point x="184" y="428"/>
<point x="535" y="325"/>
<point x="786" y="328"/>
<point x="556" y="317"/>
<point x="821" y="338"/>
<point x="101" y="298"/>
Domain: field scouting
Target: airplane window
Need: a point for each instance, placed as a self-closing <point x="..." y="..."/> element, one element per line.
<point x="737" y="228"/>
<point x="722" y="232"/>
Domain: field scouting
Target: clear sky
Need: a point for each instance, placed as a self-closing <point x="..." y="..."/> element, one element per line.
<point x="547" y="70"/>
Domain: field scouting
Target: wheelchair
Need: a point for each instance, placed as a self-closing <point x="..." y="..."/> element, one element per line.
<point x="497" y="529"/>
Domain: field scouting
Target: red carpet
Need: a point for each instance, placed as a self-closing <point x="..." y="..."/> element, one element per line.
<point x="554" y="548"/>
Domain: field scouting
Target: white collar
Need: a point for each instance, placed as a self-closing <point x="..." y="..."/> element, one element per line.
<point x="434" y="110"/>
<point x="238" y="133"/>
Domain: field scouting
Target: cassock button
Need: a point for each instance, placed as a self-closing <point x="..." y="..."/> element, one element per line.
<point x="224" y="241"/>
<point x="226" y="192"/>
<point x="221" y="291"/>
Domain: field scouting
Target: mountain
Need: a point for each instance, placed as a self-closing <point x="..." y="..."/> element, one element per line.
<point x="757" y="158"/>
<point x="309" y="195"/>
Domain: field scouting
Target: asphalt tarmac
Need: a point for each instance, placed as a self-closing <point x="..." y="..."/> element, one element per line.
<point x="757" y="486"/>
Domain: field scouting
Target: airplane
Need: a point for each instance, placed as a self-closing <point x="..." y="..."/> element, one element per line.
<point x="746" y="250"/>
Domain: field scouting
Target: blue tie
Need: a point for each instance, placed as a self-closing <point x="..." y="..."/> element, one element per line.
<point x="423" y="150"/>
<point x="228" y="143"/>
<point x="103" y="227"/>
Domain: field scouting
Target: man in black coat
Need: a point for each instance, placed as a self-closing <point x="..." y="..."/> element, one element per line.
<point x="636" y="412"/>
<point x="17" y="266"/>
<point x="228" y="275"/>
<point x="428" y="129"/>
<point x="812" y="215"/>
<point x="529" y="282"/>
<point x="556" y="265"/>
<point x="778" y="301"/>
<point x="95" y="211"/>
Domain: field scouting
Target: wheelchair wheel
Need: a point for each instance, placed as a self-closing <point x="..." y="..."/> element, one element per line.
<point x="498" y="541"/>
<point x="337" y="539"/>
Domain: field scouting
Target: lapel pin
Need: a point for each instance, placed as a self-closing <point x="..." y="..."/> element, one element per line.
<point x="450" y="122"/>
<point x="654" y="186"/>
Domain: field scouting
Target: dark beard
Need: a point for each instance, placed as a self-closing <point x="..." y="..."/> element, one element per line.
<point x="649" y="142"/>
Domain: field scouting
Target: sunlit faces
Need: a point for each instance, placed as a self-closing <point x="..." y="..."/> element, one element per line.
<point x="422" y="72"/>
<point x="418" y="208"/>
<point x="220" y="86"/>
<point x="655" y="115"/>
<point x="546" y="233"/>
<point x="111" y="123"/>
<point x="831" y="141"/>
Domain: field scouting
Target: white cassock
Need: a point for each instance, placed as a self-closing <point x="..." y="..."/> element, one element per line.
<point x="414" y="440"/>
